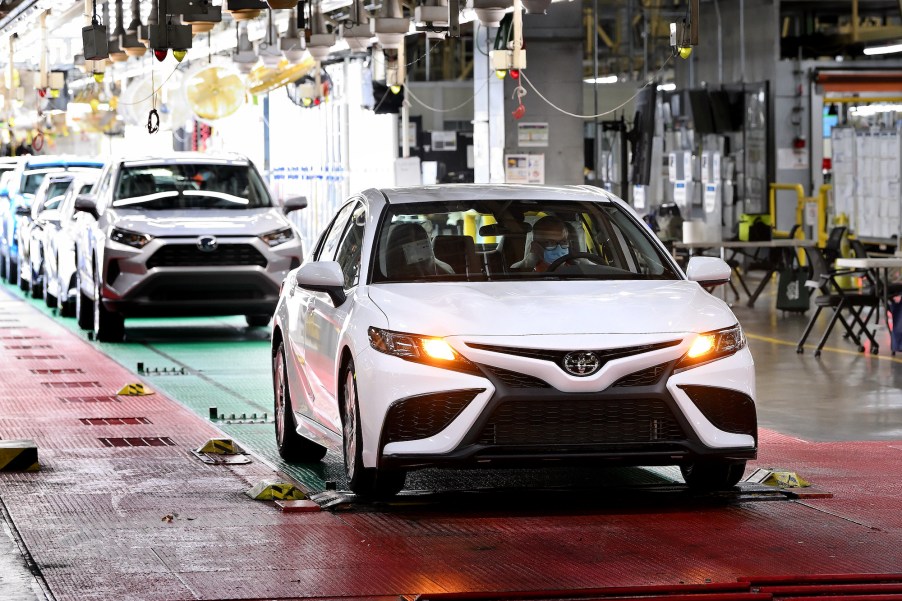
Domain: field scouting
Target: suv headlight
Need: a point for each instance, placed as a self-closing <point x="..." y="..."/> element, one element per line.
<point x="128" y="238"/>
<point x="278" y="237"/>
<point x="713" y="345"/>
<point x="420" y="349"/>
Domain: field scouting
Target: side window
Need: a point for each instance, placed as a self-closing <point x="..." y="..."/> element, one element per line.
<point x="102" y="187"/>
<point x="326" y="251"/>
<point x="351" y="247"/>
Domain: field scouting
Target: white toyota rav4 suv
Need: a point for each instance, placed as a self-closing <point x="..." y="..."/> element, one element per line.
<point x="185" y="234"/>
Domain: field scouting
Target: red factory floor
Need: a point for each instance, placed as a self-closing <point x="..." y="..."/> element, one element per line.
<point x="154" y="522"/>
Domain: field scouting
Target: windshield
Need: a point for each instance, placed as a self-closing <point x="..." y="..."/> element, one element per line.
<point x="191" y="186"/>
<point x="515" y="240"/>
<point x="31" y="179"/>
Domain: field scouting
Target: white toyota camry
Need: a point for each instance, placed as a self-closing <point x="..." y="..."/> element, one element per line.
<point x="498" y="325"/>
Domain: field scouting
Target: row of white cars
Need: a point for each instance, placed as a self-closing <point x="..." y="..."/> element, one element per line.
<point x="186" y="234"/>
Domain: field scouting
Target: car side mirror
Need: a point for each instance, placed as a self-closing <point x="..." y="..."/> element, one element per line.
<point x="323" y="276"/>
<point x="708" y="271"/>
<point x="295" y="203"/>
<point x="87" y="203"/>
<point x="23" y="210"/>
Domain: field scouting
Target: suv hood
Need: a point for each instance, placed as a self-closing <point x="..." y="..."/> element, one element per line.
<point x="550" y="307"/>
<point x="215" y="222"/>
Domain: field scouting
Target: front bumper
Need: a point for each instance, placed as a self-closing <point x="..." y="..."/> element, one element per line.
<point x="508" y="417"/>
<point x="165" y="277"/>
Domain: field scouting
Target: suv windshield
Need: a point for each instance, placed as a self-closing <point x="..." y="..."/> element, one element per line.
<point x="190" y="186"/>
<point x="484" y="240"/>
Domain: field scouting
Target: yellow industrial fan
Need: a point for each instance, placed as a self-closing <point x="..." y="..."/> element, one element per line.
<point x="265" y="79"/>
<point x="214" y="92"/>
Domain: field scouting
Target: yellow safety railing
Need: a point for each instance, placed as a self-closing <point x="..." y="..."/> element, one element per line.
<point x="821" y="199"/>
<point x="800" y="204"/>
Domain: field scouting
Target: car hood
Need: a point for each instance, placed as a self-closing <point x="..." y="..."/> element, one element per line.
<point x="224" y="222"/>
<point x="550" y="307"/>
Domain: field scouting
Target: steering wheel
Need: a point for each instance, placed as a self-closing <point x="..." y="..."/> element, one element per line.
<point x="591" y="256"/>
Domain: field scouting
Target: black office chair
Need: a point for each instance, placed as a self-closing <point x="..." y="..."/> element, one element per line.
<point x="833" y="296"/>
<point x="833" y="247"/>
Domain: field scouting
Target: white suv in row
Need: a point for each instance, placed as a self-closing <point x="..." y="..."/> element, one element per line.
<point x="186" y="234"/>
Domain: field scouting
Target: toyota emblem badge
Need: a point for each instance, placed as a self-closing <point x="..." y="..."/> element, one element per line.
<point x="207" y="244"/>
<point x="582" y="363"/>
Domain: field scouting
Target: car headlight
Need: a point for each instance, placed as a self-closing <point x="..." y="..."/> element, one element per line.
<point x="278" y="237"/>
<point x="713" y="345"/>
<point x="128" y="238"/>
<point x="420" y="349"/>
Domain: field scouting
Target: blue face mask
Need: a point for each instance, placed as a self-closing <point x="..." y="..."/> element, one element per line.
<point x="552" y="255"/>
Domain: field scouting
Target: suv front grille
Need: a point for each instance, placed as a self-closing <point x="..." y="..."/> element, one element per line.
<point x="426" y="415"/>
<point x="188" y="255"/>
<point x="581" y="422"/>
<point x="727" y="410"/>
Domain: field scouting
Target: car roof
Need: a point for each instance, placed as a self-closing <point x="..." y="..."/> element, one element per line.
<point x="184" y="158"/>
<point x="61" y="161"/>
<point x="463" y="192"/>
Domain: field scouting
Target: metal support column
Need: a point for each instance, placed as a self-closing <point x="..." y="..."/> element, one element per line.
<point x="488" y="118"/>
<point x="266" y="162"/>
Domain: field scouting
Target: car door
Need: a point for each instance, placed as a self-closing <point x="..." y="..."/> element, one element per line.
<point x="328" y="320"/>
<point x="300" y="303"/>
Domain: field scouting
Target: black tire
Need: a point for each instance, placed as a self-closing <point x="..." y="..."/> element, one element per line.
<point x="84" y="308"/>
<point x="16" y="275"/>
<point x="10" y="270"/>
<point x="257" y="321"/>
<point x="713" y="475"/>
<point x="293" y="447"/>
<point x="363" y="481"/>
<point x="37" y="284"/>
<point x="3" y="267"/>
<point x="108" y="326"/>
<point x="49" y="299"/>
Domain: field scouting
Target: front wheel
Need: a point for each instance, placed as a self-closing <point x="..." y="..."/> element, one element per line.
<point x="84" y="308"/>
<point x="292" y="446"/>
<point x="713" y="475"/>
<point x="37" y="284"/>
<point x="257" y="321"/>
<point x="363" y="481"/>
<point x="108" y="326"/>
<point x="49" y="299"/>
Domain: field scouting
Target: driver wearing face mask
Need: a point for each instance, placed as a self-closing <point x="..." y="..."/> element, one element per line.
<point x="550" y="242"/>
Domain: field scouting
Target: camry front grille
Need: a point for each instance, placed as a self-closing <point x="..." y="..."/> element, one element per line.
<point x="188" y="255"/>
<point x="515" y="379"/>
<point x="581" y="422"/>
<point x="643" y="377"/>
<point x="426" y="415"/>
<point x="556" y="356"/>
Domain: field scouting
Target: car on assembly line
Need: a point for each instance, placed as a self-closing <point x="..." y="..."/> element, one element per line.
<point x="59" y="247"/>
<point x="16" y="198"/>
<point x="493" y="325"/>
<point x="30" y="232"/>
<point x="179" y="235"/>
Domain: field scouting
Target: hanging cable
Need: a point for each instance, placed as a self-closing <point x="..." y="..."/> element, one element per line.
<point x="437" y="110"/>
<point x="605" y="113"/>
<point x="156" y="90"/>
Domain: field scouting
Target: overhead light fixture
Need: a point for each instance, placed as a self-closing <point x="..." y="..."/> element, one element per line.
<point x="666" y="87"/>
<point x="267" y="49"/>
<point x="117" y="54"/>
<point x="144" y="30"/>
<point x="603" y="79"/>
<point x="889" y="49"/>
<point x="244" y="10"/>
<point x="434" y="16"/>
<point x="130" y="42"/>
<point x="391" y="26"/>
<point x="362" y="34"/>
<point x="321" y="41"/>
<point x="204" y="19"/>
<point x="490" y="12"/>
<point x="292" y="44"/>
<point x="243" y="56"/>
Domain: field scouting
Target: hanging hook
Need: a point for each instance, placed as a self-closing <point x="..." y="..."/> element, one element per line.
<point x="153" y="121"/>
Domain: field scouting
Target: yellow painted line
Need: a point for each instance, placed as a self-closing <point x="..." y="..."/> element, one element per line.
<point x="830" y="349"/>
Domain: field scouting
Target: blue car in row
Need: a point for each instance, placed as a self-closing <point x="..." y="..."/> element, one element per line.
<point x="17" y="195"/>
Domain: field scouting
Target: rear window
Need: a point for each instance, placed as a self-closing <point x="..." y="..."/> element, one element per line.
<point x="190" y="186"/>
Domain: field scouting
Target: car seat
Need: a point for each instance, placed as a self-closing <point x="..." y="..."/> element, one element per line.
<point x="409" y="254"/>
<point x="459" y="252"/>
